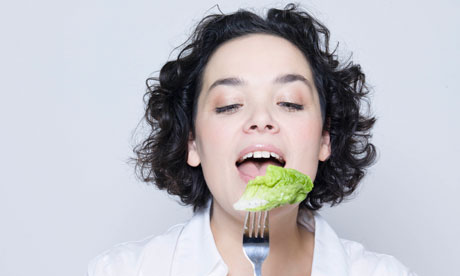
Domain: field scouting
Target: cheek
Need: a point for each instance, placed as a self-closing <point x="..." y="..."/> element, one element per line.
<point x="306" y="129"/>
<point x="213" y="140"/>
<point x="305" y="138"/>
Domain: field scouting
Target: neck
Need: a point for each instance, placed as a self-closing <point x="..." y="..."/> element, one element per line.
<point x="291" y="245"/>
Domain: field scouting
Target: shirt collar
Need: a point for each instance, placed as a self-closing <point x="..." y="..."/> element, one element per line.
<point x="329" y="255"/>
<point x="196" y="248"/>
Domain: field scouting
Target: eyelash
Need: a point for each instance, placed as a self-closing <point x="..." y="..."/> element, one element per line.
<point x="233" y="107"/>
<point x="228" y="108"/>
<point x="291" y="106"/>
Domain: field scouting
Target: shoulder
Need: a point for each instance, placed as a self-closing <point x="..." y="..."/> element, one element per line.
<point x="350" y="258"/>
<point x="364" y="262"/>
<point x="126" y="259"/>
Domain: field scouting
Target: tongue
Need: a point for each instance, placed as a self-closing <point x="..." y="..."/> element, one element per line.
<point x="253" y="169"/>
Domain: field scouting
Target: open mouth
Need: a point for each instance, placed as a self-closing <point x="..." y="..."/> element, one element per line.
<point x="255" y="163"/>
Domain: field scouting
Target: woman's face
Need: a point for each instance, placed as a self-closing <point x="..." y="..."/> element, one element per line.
<point x="258" y="96"/>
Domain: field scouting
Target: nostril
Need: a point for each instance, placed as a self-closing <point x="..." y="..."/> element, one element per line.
<point x="270" y="127"/>
<point x="254" y="127"/>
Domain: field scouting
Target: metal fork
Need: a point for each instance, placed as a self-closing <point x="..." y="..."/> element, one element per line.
<point x="256" y="239"/>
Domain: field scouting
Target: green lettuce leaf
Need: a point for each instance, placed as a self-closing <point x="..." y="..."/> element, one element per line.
<point x="279" y="186"/>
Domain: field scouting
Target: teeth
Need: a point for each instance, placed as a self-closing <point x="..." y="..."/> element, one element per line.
<point x="262" y="154"/>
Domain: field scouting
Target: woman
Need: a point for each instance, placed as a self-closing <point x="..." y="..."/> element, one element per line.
<point x="244" y="84"/>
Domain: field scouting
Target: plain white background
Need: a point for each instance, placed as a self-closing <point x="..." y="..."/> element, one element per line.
<point x="72" y="79"/>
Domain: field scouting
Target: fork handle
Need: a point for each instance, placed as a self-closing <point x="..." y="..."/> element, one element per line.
<point x="258" y="269"/>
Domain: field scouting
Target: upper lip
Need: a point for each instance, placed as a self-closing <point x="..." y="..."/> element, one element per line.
<point x="260" y="147"/>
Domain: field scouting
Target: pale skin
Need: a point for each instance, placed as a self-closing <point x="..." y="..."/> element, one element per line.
<point x="258" y="91"/>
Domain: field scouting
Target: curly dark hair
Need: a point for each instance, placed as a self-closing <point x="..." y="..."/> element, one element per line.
<point x="171" y="100"/>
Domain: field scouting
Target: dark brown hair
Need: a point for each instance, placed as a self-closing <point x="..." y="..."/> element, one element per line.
<point x="172" y="96"/>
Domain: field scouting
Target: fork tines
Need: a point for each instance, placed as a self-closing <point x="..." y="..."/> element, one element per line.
<point x="256" y="224"/>
<point x="255" y="239"/>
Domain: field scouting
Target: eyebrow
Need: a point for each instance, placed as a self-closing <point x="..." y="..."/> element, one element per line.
<point x="228" y="82"/>
<point x="283" y="79"/>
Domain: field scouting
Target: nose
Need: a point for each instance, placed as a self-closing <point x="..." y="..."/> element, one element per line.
<point x="261" y="121"/>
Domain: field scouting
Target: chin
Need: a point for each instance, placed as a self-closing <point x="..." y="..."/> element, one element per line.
<point x="283" y="210"/>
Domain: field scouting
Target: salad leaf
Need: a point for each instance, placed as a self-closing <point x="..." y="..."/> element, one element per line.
<point x="279" y="186"/>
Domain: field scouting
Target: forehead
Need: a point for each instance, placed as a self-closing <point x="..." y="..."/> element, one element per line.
<point x="257" y="58"/>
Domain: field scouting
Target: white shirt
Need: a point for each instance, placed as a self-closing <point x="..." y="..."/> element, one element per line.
<point x="188" y="249"/>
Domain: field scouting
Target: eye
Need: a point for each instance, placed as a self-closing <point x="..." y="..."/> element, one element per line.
<point x="291" y="106"/>
<point x="228" y="108"/>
